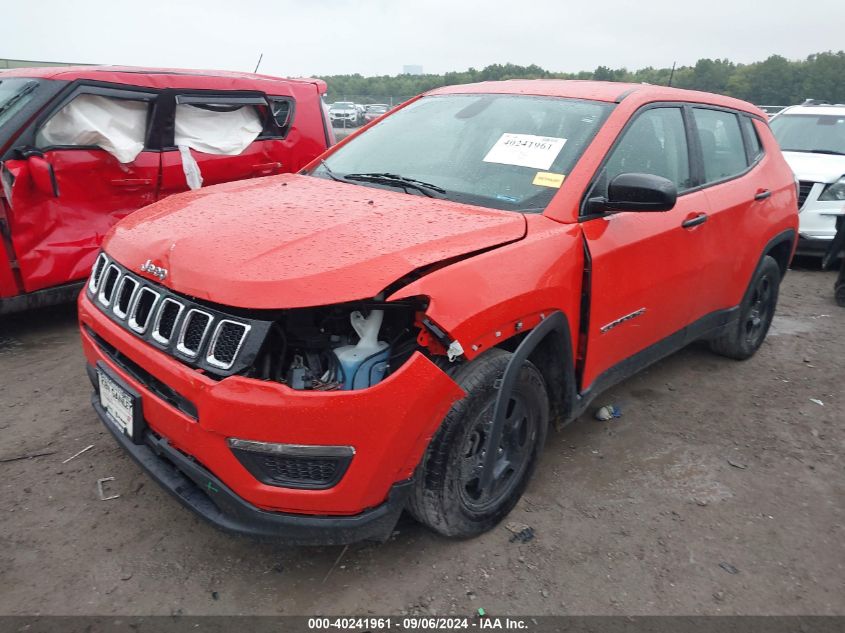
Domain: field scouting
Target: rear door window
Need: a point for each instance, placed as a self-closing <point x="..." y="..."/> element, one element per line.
<point x="216" y="128"/>
<point x="228" y="124"/>
<point x="722" y="147"/>
<point x="116" y="125"/>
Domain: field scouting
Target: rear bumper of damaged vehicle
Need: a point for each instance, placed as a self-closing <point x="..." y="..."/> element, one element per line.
<point x="190" y="417"/>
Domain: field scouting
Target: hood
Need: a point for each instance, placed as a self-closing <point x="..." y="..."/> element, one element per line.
<point x="816" y="167"/>
<point x="294" y="241"/>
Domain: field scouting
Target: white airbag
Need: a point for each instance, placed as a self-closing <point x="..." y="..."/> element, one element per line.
<point x="226" y="133"/>
<point x="116" y="125"/>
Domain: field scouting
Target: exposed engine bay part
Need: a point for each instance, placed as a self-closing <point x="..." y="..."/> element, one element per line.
<point x="451" y="348"/>
<point x="343" y="347"/>
<point x="363" y="364"/>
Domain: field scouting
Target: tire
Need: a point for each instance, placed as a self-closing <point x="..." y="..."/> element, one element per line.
<point x="446" y="495"/>
<point x="839" y="293"/>
<point x="743" y="338"/>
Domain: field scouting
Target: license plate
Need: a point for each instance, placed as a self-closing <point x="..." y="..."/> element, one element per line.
<point x="117" y="403"/>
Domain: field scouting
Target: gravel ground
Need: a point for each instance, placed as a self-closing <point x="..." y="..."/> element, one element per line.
<point x="720" y="490"/>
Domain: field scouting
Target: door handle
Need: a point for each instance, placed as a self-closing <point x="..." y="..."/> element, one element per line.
<point x="265" y="169"/>
<point x="695" y="220"/>
<point x="131" y="182"/>
<point x="762" y="195"/>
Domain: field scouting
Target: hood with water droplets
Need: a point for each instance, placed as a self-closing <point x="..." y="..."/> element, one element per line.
<point x="294" y="241"/>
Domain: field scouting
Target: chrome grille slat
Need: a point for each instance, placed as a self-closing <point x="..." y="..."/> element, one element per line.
<point x="118" y="308"/>
<point x="193" y="345"/>
<point x="97" y="272"/>
<point x="108" y="284"/>
<point x="198" y="335"/>
<point x="140" y="326"/>
<point x="226" y="343"/>
<point x="169" y="322"/>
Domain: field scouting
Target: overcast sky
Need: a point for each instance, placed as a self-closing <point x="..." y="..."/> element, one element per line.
<point x="327" y="37"/>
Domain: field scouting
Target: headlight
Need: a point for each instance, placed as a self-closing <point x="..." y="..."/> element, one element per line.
<point x="834" y="191"/>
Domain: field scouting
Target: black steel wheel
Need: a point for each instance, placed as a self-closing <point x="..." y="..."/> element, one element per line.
<point x="513" y="455"/>
<point x="448" y="494"/>
<point x="744" y="337"/>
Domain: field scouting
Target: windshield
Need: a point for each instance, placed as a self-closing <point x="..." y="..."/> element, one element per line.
<point x="500" y="151"/>
<point x="14" y="95"/>
<point x="342" y="105"/>
<point x="822" y="133"/>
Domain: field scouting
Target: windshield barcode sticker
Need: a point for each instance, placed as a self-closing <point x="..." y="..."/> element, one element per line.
<point x="525" y="150"/>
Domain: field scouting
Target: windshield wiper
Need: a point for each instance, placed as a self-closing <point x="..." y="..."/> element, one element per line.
<point x="396" y="180"/>
<point x="20" y="95"/>
<point x="817" y="151"/>
<point x="329" y="171"/>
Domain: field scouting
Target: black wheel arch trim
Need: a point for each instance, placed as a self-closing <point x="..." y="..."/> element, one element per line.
<point x="788" y="236"/>
<point x="556" y="322"/>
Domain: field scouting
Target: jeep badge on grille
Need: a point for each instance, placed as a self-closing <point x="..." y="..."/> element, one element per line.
<point x="156" y="271"/>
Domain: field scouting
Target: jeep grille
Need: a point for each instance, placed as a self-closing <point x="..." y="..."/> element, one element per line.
<point x="198" y="335"/>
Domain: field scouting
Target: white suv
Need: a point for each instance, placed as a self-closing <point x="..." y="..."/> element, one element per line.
<point x="812" y="138"/>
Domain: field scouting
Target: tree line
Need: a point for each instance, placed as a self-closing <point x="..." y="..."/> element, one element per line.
<point x="774" y="81"/>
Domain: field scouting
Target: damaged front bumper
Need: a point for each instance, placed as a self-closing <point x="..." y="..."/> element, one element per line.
<point x="201" y="491"/>
<point x="190" y="417"/>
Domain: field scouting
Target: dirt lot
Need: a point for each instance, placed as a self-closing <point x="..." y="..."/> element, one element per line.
<point x="713" y="462"/>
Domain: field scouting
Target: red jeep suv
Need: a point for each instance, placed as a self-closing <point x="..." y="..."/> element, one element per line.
<point x="82" y="147"/>
<point x="398" y="325"/>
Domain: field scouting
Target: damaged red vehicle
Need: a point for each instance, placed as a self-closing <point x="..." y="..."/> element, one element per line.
<point x="82" y="147"/>
<point x="398" y="325"/>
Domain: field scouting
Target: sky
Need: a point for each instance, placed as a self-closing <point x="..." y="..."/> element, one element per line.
<point x="378" y="37"/>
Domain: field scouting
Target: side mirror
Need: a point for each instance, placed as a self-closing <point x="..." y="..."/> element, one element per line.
<point x="40" y="170"/>
<point x="43" y="176"/>
<point x="637" y="192"/>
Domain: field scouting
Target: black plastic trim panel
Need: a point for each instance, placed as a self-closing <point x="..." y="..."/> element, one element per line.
<point x="140" y="375"/>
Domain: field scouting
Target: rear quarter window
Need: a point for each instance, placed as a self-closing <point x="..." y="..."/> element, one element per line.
<point x="752" y="139"/>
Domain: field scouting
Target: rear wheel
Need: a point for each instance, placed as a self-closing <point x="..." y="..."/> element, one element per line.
<point x="839" y="293"/>
<point x="746" y="336"/>
<point x="448" y="495"/>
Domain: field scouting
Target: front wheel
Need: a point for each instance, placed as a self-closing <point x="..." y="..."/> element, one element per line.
<point x="448" y="496"/>
<point x="743" y="338"/>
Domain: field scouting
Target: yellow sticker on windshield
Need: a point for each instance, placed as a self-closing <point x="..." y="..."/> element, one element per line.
<point x="548" y="179"/>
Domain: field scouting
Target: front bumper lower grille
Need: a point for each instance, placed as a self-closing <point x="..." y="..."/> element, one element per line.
<point x="293" y="466"/>
<point x="196" y="334"/>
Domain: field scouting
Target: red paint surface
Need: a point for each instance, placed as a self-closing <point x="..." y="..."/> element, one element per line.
<point x="389" y="438"/>
<point x="55" y="239"/>
<point x="292" y="241"/>
<point x="165" y="77"/>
